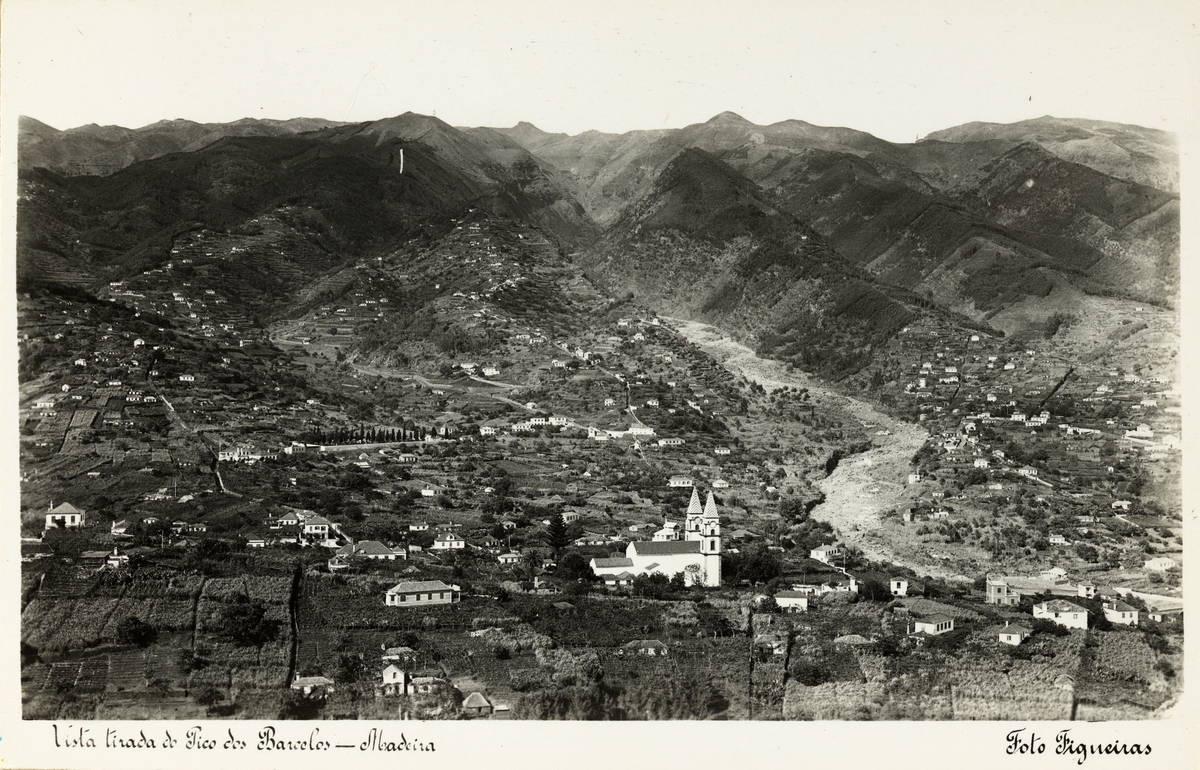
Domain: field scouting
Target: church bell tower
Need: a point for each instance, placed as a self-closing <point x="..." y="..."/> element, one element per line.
<point x="710" y="543"/>
<point x="693" y="524"/>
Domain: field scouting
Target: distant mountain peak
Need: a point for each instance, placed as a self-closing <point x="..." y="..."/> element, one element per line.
<point x="729" y="117"/>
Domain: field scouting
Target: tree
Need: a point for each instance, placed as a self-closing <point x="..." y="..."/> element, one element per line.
<point x="793" y="509"/>
<point x="424" y="539"/>
<point x="531" y="563"/>
<point x="808" y="673"/>
<point x="573" y="566"/>
<point x="245" y="624"/>
<point x="349" y="668"/>
<point x="652" y="586"/>
<point x="207" y="695"/>
<point x="1044" y="626"/>
<point x="875" y="590"/>
<point x="975" y="477"/>
<point x="134" y="630"/>
<point x="556" y="534"/>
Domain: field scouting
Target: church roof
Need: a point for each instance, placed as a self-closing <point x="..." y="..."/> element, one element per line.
<point x="694" y="506"/>
<point x="710" y="507"/>
<point x="666" y="547"/>
<point x="613" y="562"/>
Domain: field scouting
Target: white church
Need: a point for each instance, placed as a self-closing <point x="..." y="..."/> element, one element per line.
<point x="695" y="551"/>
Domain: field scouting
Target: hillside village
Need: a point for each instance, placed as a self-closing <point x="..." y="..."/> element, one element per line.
<point x="467" y="540"/>
<point x="276" y="467"/>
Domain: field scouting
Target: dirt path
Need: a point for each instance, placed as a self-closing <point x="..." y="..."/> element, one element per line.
<point x="863" y="486"/>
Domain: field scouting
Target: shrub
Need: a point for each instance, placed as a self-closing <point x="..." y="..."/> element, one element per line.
<point x="808" y="673"/>
<point x="1043" y="626"/>
<point x="245" y="624"/>
<point x="134" y="630"/>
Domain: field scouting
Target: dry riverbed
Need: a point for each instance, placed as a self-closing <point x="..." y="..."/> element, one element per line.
<point x="863" y="486"/>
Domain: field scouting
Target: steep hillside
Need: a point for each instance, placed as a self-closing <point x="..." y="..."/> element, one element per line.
<point x="517" y="183"/>
<point x="351" y="191"/>
<point x="1133" y="153"/>
<point x="347" y="198"/>
<point x="939" y="217"/>
<point x="705" y="243"/>
<point x="1123" y="235"/>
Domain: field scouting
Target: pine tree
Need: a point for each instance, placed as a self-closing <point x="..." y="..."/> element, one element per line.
<point x="556" y="533"/>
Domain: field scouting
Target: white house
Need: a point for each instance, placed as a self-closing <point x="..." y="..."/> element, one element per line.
<point x="66" y="516"/>
<point x="421" y="593"/>
<point x="792" y="601"/>
<point x="1014" y="635"/>
<point x="898" y="586"/>
<point x="448" y="541"/>
<point x="511" y="558"/>
<point x="1000" y="592"/>
<point x="1062" y="612"/>
<point x="1159" y="564"/>
<point x="680" y="481"/>
<point x="187" y="378"/>
<point x="371" y="549"/>
<point x="826" y="553"/>
<point x="1120" y="612"/>
<point x="933" y="625"/>
<point x="395" y="681"/>
<point x="317" y="526"/>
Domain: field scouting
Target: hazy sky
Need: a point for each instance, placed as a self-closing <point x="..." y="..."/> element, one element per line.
<point x="898" y="69"/>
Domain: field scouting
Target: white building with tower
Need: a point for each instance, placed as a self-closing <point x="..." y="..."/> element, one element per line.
<point x="695" y="551"/>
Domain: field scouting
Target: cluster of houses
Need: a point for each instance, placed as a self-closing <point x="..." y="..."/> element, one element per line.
<point x="1007" y="590"/>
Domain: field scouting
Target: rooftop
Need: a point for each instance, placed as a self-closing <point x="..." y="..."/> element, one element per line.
<point x="417" y="586"/>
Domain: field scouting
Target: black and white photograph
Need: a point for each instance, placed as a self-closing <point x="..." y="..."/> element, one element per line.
<point x="389" y="367"/>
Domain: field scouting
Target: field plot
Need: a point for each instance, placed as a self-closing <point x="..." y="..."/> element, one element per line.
<point x="596" y="622"/>
<point x="93" y="674"/>
<point x="1027" y="691"/>
<point x="67" y="584"/>
<point x="1123" y="656"/>
<point x="126" y="671"/>
<point x="62" y="675"/>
